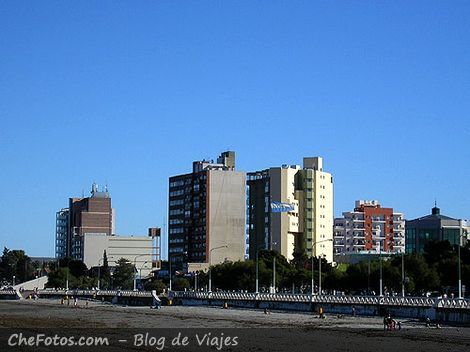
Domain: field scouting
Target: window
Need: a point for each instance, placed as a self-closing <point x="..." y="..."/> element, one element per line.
<point x="176" y="202"/>
<point x="176" y="193"/>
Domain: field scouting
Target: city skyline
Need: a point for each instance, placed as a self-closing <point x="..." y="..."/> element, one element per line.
<point x="128" y="95"/>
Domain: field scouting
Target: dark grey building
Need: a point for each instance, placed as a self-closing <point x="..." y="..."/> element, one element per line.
<point x="434" y="227"/>
<point x="258" y="212"/>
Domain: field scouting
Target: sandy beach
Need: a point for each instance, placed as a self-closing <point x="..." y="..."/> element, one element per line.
<point x="277" y="331"/>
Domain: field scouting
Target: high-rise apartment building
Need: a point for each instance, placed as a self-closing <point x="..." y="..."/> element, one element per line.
<point x="206" y="217"/>
<point x="369" y="228"/>
<point x="308" y="192"/>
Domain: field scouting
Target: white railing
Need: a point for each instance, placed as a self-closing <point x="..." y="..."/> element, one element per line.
<point x="454" y="303"/>
<point x="134" y="294"/>
<point x="272" y="297"/>
<point x="7" y="293"/>
<point x="94" y="293"/>
<point x="359" y="300"/>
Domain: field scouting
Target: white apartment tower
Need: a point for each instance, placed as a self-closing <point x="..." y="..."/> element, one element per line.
<point x="369" y="228"/>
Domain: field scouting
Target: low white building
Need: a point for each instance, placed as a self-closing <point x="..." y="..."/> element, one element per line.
<point x="138" y="250"/>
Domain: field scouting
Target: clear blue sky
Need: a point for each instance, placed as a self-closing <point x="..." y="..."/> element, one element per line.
<point x="131" y="92"/>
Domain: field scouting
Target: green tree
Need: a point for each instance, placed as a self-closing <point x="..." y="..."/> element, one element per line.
<point x="334" y="280"/>
<point x="124" y="274"/>
<point x="180" y="284"/>
<point x="77" y="268"/>
<point x="16" y="263"/>
<point x="105" y="273"/>
<point x="58" y="279"/>
<point x="300" y="257"/>
<point x="436" y="252"/>
<point x="157" y="285"/>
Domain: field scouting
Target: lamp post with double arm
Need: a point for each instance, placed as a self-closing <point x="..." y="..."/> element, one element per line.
<point x="135" y="268"/>
<point x="140" y="274"/>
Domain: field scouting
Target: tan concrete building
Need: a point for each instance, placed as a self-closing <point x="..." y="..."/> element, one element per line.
<point x="308" y="194"/>
<point x="206" y="218"/>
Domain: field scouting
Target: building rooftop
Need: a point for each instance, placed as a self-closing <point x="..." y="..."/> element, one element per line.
<point x="96" y="193"/>
<point x="435" y="215"/>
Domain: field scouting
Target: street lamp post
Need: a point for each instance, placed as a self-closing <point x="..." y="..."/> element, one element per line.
<point x="185" y="253"/>
<point x="274" y="274"/>
<point x="403" y="274"/>
<point x="313" y="276"/>
<point x="257" y="268"/>
<point x="169" y="269"/>
<point x="319" y="275"/>
<point x="14" y="277"/>
<point x="257" y="275"/>
<point x="135" y="269"/>
<point x="37" y="277"/>
<point x="67" y="280"/>
<point x="210" y="262"/>
<point x="140" y="273"/>
<point x="99" y="271"/>
<point x="274" y="267"/>
<point x="460" y="273"/>
<point x="319" y="267"/>
<point x="381" y="277"/>
<point x="461" y="235"/>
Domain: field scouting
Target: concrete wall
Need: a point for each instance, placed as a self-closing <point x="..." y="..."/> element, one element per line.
<point x="449" y="316"/>
<point x="38" y="283"/>
<point x="118" y="247"/>
<point x="226" y="209"/>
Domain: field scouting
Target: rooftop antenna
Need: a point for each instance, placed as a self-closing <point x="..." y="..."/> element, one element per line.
<point x="94" y="188"/>
<point x="83" y="193"/>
